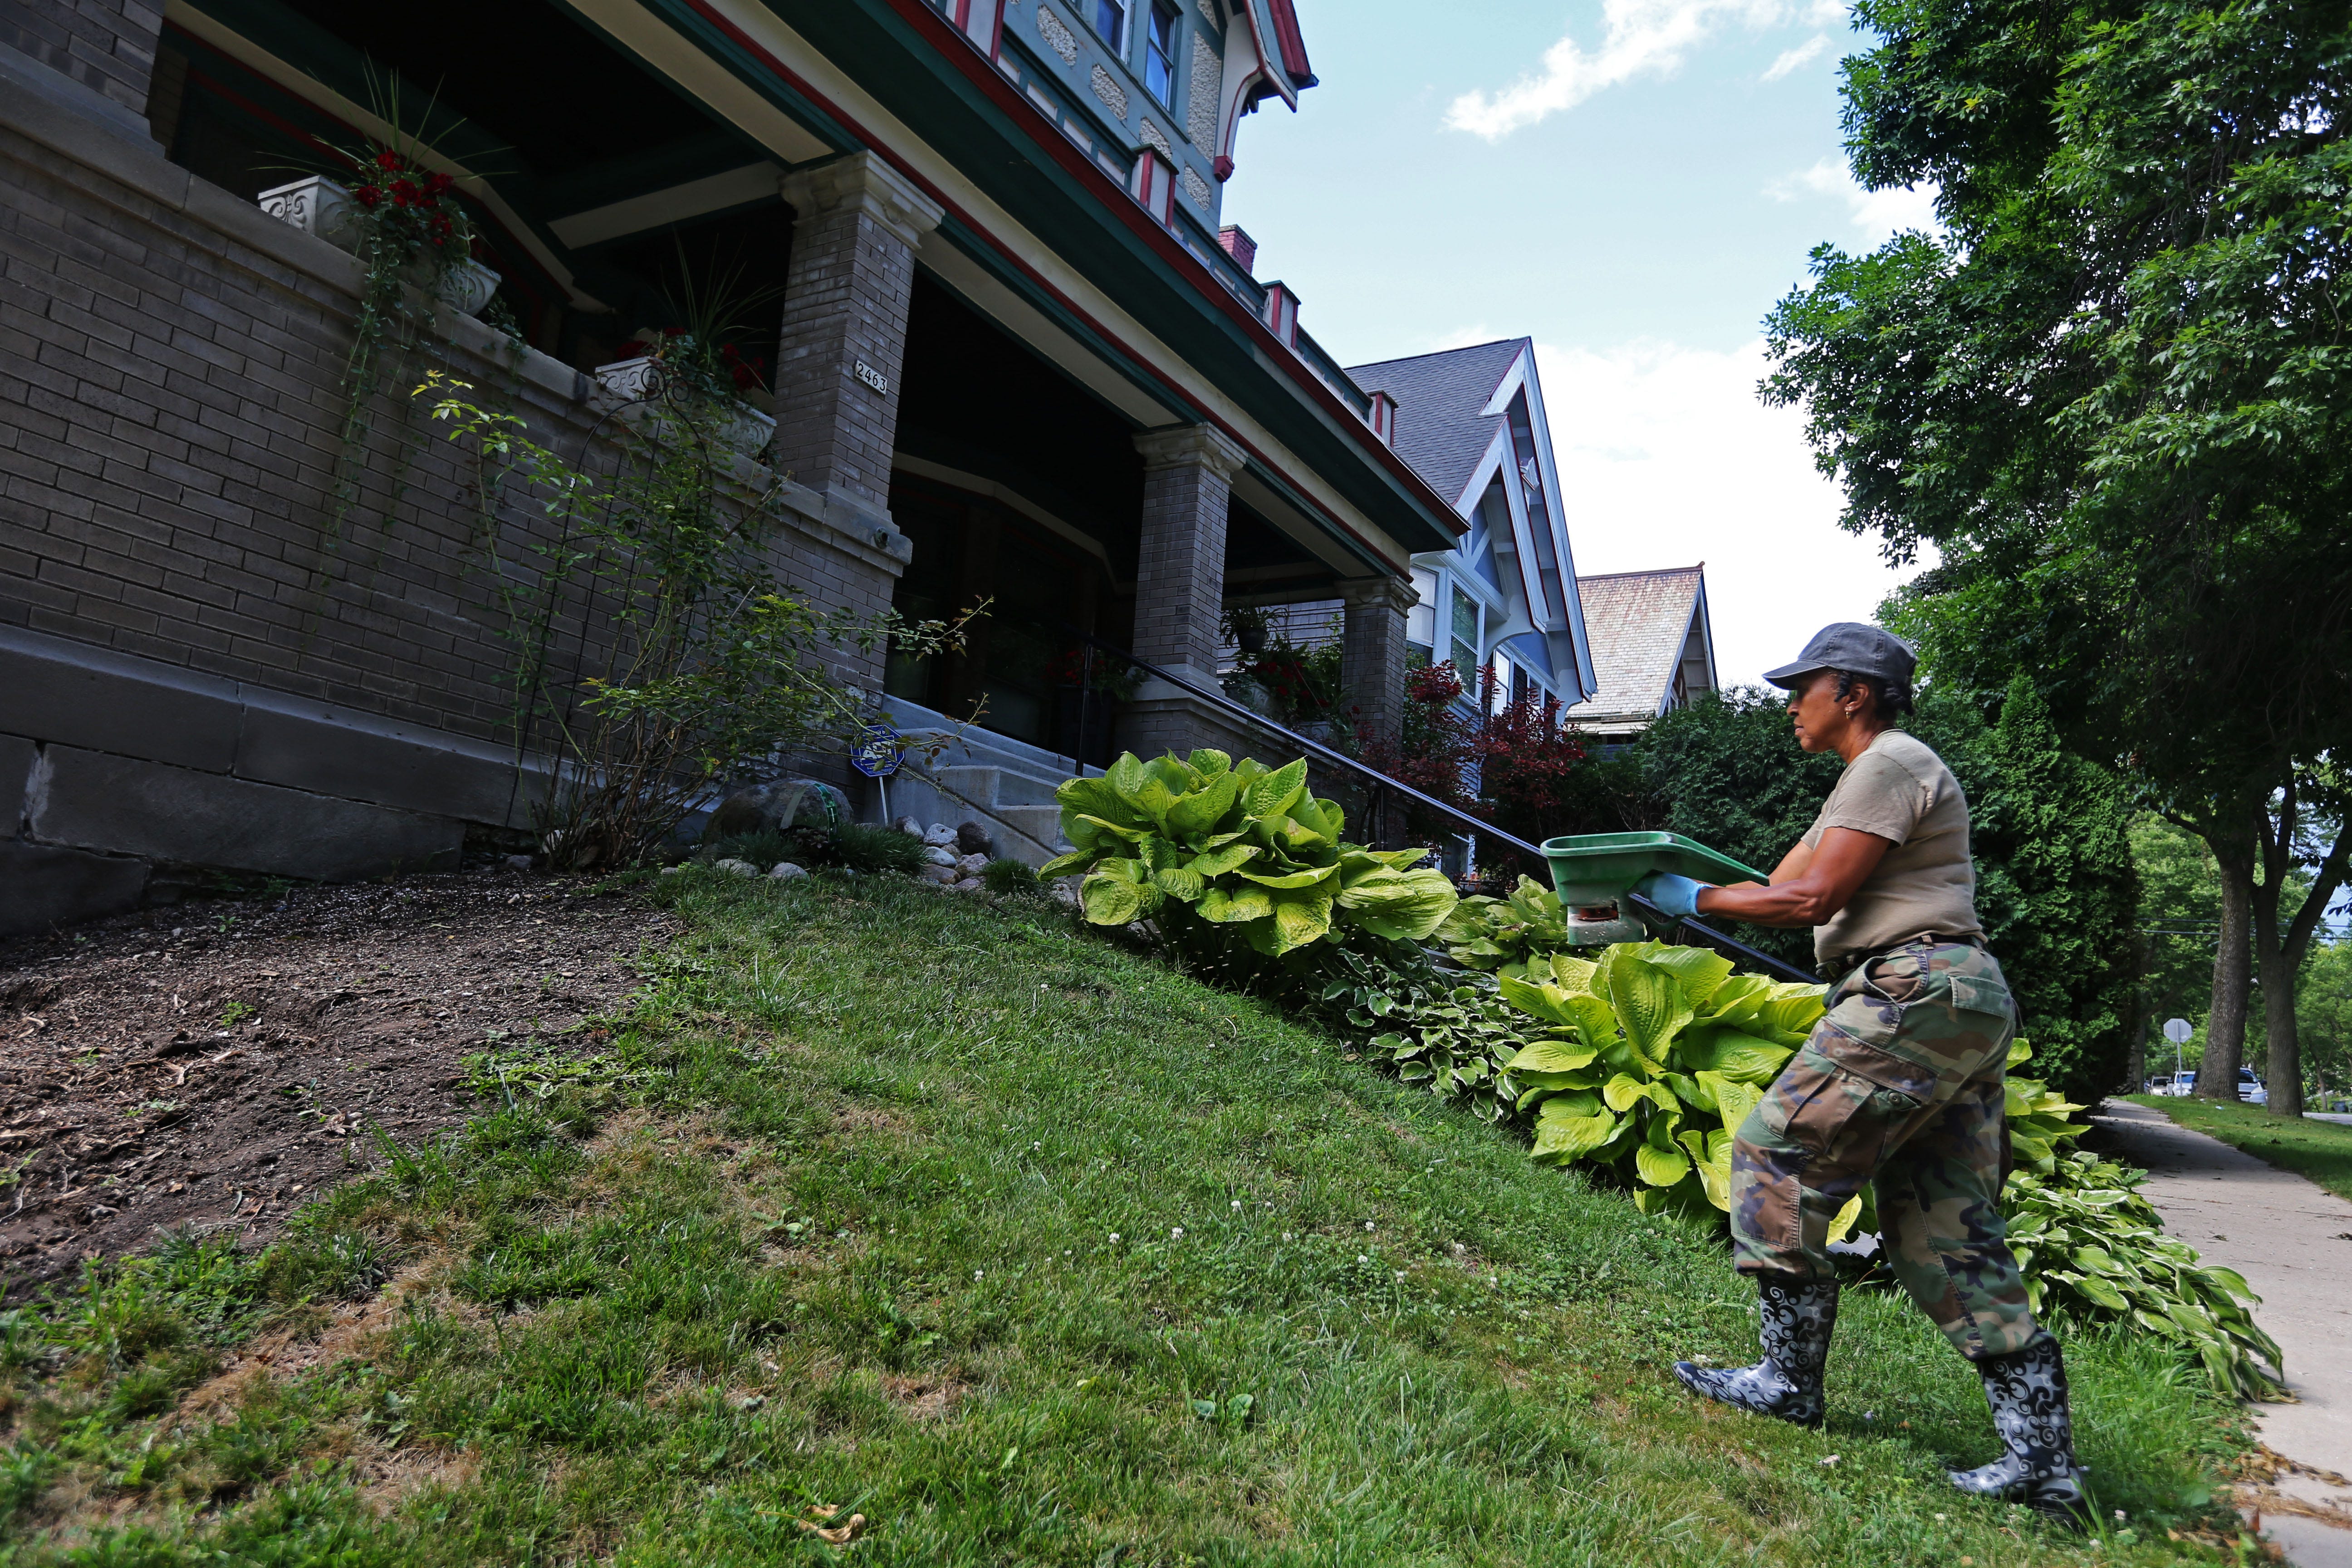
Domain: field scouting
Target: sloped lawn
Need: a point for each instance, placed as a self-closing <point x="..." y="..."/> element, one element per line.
<point x="1027" y="1250"/>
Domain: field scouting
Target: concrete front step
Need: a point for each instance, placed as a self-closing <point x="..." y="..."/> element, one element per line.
<point x="997" y="785"/>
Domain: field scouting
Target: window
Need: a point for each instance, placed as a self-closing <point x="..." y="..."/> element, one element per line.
<point x="1465" y="650"/>
<point x="1509" y="681"/>
<point x="1159" y="52"/>
<point x="1110" y="21"/>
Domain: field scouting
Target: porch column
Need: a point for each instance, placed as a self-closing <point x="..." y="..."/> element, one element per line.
<point x="845" y="328"/>
<point x="1179" y="587"/>
<point x="1372" y="653"/>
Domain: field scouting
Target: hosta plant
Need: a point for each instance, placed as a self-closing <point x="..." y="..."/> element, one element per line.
<point x="1451" y="1032"/>
<point x="2090" y="1245"/>
<point x="1240" y="846"/>
<point x="1505" y="934"/>
<point x="1647" y="1056"/>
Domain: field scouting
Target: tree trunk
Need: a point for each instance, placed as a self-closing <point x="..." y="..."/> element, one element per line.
<point x="2225" y="1021"/>
<point x="2280" y="947"/>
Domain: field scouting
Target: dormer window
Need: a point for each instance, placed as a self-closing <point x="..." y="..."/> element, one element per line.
<point x="1110" y="21"/>
<point x="1159" y="52"/>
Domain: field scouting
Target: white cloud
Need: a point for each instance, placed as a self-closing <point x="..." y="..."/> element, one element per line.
<point x="1639" y="37"/>
<point x="1804" y="53"/>
<point x="1667" y="459"/>
<point x="1876" y="215"/>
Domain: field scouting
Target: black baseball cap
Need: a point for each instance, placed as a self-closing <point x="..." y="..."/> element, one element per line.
<point x="1852" y="646"/>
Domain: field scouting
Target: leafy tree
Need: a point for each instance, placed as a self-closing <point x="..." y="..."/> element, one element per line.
<point x="2116" y="398"/>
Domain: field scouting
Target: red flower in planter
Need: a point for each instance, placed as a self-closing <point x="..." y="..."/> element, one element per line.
<point x="367" y="196"/>
<point x="404" y="192"/>
<point x="438" y="183"/>
<point x="387" y="160"/>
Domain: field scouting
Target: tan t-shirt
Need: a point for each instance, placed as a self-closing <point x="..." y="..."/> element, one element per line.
<point x="1902" y="792"/>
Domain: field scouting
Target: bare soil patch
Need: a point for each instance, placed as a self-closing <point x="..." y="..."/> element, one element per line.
<point x="210" y="1063"/>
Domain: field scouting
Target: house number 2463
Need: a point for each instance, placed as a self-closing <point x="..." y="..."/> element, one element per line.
<point x="873" y="378"/>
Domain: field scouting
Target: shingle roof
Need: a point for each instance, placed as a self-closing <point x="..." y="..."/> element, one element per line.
<point x="1637" y="623"/>
<point x="1439" y="428"/>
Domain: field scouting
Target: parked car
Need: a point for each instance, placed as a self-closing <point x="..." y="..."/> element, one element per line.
<point x="2250" y="1088"/>
<point x="2177" y="1084"/>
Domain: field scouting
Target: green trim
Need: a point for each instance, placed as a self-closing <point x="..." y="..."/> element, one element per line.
<point x="934" y="98"/>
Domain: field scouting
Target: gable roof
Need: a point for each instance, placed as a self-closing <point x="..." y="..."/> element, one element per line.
<point x="1440" y="429"/>
<point x="1638" y="623"/>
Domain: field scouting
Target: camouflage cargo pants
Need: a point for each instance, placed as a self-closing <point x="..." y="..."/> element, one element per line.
<point x="1900" y="1086"/>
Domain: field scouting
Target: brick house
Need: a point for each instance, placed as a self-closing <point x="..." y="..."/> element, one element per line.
<point x="1018" y="357"/>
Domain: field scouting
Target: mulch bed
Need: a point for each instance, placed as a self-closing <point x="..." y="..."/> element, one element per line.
<point x="209" y="1063"/>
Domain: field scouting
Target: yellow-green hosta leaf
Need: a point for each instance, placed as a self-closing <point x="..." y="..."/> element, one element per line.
<point x="1095" y="798"/>
<point x="1842" y="1226"/>
<point x="1660" y="1167"/>
<point x="1319" y="819"/>
<point x="1299" y="919"/>
<point x="1736" y="999"/>
<point x="1201" y="811"/>
<point x="1405" y="906"/>
<point x="1063" y="865"/>
<point x="1650" y="1007"/>
<point x="1710" y="1153"/>
<point x="1103" y="825"/>
<point x="1274" y="794"/>
<point x="1309" y="877"/>
<point x="1548" y="1003"/>
<point x="1225" y="906"/>
<point x="2021" y="1051"/>
<point x="1733" y="1099"/>
<point x="1578" y="1102"/>
<point x="1560" y="1140"/>
<point x="1209" y="763"/>
<point x="1690" y="1092"/>
<point x="1705" y="1047"/>
<point x="1551" y="1056"/>
<point x="1115" y="901"/>
<point x="1231" y="857"/>
<point x="1574" y="973"/>
<point x="1179" y="882"/>
<point x="1621" y="1092"/>
<point x="1697" y="970"/>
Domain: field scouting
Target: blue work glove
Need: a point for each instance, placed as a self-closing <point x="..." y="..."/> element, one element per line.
<point x="1676" y="896"/>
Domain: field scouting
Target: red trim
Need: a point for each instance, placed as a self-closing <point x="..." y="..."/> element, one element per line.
<point x="1059" y="149"/>
<point x="1293" y="46"/>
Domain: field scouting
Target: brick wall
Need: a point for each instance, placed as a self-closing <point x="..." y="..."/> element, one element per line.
<point x="108" y="46"/>
<point x="170" y="414"/>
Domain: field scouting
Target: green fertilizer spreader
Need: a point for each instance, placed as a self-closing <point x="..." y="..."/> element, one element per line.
<point x="1592" y="872"/>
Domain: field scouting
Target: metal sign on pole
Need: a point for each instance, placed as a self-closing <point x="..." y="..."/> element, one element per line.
<point x="2177" y="1031"/>
<point x="878" y="757"/>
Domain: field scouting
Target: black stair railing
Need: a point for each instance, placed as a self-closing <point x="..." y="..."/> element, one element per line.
<point x="1393" y="795"/>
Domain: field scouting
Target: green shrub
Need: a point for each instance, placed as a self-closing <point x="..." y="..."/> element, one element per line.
<point x="1004" y="876"/>
<point x="1241" y="845"/>
<point x="862" y="847"/>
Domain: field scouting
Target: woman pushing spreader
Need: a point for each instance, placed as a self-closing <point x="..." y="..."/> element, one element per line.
<point x="1900" y="1085"/>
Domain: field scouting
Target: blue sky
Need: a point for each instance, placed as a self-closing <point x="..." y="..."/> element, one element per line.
<point x="1630" y="183"/>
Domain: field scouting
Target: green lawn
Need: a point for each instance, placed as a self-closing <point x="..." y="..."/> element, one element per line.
<point x="1031" y="1251"/>
<point x="2319" y="1150"/>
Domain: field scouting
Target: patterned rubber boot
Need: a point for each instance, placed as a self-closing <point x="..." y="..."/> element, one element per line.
<point x="2027" y="1391"/>
<point x="1798" y="1315"/>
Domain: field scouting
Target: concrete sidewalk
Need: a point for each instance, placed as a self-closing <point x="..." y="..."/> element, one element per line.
<point x="2292" y="1241"/>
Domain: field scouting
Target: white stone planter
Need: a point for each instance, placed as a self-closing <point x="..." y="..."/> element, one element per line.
<point x="316" y="206"/>
<point x="468" y="287"/>
<point x="322" y="206"/>
<point x="744" y="428"/>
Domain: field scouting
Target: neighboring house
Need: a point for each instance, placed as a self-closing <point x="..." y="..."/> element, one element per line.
<point x="1472" y="421"/>
<point x="1018" y="358"/>
<point x="1653" y="643"/>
